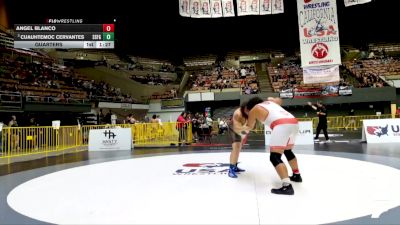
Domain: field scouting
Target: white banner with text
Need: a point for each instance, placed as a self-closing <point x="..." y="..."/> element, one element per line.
<point x="110" y="139"/>
<point x="321" y="74"/>
<point x="355" y="2"/>
<point x="319" y="32"/>
<point x="381" y="131"/>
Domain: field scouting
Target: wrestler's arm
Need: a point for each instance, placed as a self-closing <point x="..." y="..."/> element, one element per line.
<point x="255" y="114"/>
<point x="251" y="122"/>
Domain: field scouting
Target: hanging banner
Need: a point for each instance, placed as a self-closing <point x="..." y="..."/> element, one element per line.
<point x="205" y="9"/>
<point x="216" y="8"/>
<point x="316" y="92"/>
<point x="265" y="7"/>
<point x="355" y="2"/>
<point x="241" y="7"/>
<point x="345" y="90"/>
<point x="254" y="7"/>
<point x="319" y="33"/>
<point x="277" y="6"/>
<point x="321" y="74"/>
<point x="184" y="8"/>
<point x="248" y="7"/>
<point x="195" y="8"/>
<point x="227" y="8"/>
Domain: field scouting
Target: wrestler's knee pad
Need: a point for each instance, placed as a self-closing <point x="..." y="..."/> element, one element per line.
<point x="275" y="158"/>
<point x="289" y="154"/>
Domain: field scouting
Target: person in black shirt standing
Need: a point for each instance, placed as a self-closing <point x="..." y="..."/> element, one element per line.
<point x="322" y="120"/>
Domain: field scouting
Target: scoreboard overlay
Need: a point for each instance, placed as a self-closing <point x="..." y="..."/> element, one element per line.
<point x="64" y="36"/>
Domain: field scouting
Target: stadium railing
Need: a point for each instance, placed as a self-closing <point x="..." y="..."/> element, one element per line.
<point x="54" y="99"/>
<point x="149" y="134"/>
<point x="10" y="100"/>
<point x="336" y="122"/>
<point x="25" y="141"/>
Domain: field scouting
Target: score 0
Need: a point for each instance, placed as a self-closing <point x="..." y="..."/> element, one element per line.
<point x="108" y="27"/>
<point x="108" y="32"/>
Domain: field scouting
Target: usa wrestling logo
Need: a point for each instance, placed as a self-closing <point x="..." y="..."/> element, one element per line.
<point x="378" y="130"/>
<point x="203" y="169"/>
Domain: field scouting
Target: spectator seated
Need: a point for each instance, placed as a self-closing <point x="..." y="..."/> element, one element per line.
<point x="49" y="82"/>
<point x="371" y="71"/>
<point x="222" y="78"/>
<point x="154" y="79"/>
<point x="169" y="94"/>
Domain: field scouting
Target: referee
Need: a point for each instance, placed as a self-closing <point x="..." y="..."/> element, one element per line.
<point x="322" y="120"/>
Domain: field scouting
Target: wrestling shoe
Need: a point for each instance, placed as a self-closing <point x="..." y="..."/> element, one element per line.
<point x="238" y="170"/>
<point x="232" y="173"/>
<point x="284" y="190"/>
<point x="296" y="178"/>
